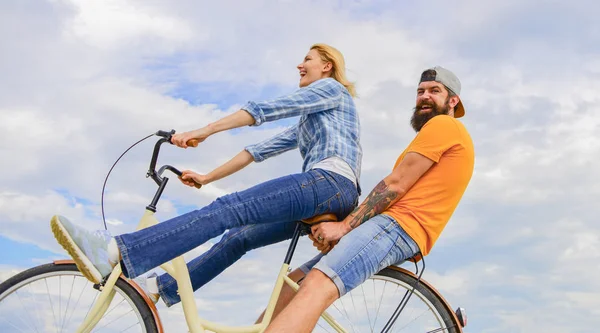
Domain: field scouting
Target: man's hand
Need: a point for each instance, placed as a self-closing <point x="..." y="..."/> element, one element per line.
<point x="181" y="140"/>
<point x="322" y="247"/>
<point x="329" y="232"/>
<point x="193" y="179"/>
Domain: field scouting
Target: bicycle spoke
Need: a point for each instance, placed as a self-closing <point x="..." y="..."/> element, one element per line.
<point x="35" y="305"/>
<point x="24" y="308"/>
<point x="321" y="326"/>
<point x="11" y="324"/>
<point x="411" y="313"/>
<point x="59" y="298"/>
<point x="346" y="312"/>
<point x="380" y="300"/>
<point x="347" y="316"/>
<point x="67" y="307"/>
<point x="121" y="316"/>
<point x="26" y="297"/>
<point x="412" y="321"/>
<point x="366" y="306"/>
<point x="78" y="299"/>
<point x="51" y="305"/>
<point x="91" y="305"/>
<point x="114" y="307"/>
<point x="128" y="328"/>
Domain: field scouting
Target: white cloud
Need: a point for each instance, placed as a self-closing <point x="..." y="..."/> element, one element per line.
<point x="92" y="78"/>
<point x="109" y="24"/>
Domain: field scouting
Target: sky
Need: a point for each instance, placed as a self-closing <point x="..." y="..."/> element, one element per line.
<point x="82" y="81"/>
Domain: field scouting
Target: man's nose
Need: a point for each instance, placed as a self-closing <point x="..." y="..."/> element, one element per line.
<point x="425" y="97"/>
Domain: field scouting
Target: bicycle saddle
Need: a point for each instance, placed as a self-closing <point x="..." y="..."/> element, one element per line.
<point x="321" y="218"/>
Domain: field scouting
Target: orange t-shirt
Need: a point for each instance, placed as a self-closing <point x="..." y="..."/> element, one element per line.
<point x="425" y="209"/>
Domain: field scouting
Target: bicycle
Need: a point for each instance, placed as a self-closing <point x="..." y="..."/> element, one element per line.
<point x="116" y="289"/>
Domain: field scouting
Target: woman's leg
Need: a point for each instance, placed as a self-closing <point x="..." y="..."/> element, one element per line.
<point x="234" y="244"/>
<point x="288" y="198"/>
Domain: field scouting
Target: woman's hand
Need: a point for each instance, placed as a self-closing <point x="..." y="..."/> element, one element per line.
<point x="193" y="179"/>
<point x="182" y="140"/>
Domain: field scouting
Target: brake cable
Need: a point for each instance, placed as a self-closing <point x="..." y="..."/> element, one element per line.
<point x="107" y="175"/>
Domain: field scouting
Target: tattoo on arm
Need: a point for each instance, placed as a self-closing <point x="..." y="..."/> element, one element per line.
<point x="376" y="202"/>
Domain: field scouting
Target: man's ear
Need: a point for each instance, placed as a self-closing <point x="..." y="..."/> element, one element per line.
<point x="454" y="101"/>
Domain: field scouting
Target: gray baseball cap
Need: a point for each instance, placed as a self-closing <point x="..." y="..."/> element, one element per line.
<point x="449" y="80"/>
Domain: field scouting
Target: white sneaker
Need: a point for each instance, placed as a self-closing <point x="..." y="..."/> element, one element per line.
<point x="142" y="282"/>
<point x="88" y="249"/>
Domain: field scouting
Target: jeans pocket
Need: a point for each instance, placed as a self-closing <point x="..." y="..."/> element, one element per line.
<point x="316" y="177"/>
<point x="387" y="261"/>
<point x="348" y="195"/>
<point x="332" y="205"/>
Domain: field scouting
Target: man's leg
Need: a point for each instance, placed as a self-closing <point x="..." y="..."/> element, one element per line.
<point x="317" y="293"/>
<point x="287" y="293"/>
<point x="232" y="246"/>
<point x="374" y="245"/>
<point x="285" y="296"/>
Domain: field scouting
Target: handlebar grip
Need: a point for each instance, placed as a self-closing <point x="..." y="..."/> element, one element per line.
<point x="192" y="143"/>
<point x="196" y="185"/>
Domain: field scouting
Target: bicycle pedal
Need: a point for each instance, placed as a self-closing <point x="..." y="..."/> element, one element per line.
<point x="99" y="286"/>
<point x="461" y="315"/>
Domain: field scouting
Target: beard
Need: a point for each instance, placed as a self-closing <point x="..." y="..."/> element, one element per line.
<point x="419" y="119"/>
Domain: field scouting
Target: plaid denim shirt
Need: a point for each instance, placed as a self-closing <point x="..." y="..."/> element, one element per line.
<point x="328" y="125"/>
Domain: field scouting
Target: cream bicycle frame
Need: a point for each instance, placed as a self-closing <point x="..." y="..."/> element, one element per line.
<point x="177" y="268"/>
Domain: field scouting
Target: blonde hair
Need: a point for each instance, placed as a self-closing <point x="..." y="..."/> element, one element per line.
<point x="338" y="71"/>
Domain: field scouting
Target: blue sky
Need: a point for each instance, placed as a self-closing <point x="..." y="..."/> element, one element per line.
<point x="84" y="80"/>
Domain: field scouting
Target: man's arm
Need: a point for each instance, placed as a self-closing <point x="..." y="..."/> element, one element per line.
<point x="391" y="189"/>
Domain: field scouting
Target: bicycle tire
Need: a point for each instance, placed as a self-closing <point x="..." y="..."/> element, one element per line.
<point x="29" y="276"/>
<point x="428" y="292"/>
<point x="371" y="305"/>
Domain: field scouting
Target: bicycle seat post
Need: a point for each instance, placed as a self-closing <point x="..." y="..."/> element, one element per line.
<point x="293" y="244"/>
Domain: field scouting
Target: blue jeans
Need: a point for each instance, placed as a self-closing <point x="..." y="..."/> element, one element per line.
<point x="374" y="245"/>
<point x="261" y="215"/>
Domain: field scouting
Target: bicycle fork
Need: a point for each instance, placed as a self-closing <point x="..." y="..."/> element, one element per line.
<point x="107" y="293"/>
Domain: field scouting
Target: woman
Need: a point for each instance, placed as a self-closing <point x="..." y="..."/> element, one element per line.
<point x="327" y="136"/>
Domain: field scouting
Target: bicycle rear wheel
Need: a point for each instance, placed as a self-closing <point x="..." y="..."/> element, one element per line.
<point x="369" y="307"/>
<point x="57" y="298"/>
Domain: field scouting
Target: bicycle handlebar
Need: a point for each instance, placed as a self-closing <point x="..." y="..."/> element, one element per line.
<point x="156" y="176"/>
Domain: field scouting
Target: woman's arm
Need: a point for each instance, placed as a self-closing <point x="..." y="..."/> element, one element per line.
<point x="232" y="166"/>
<point x="192" y="138"/>
<point x="321" y="95"/>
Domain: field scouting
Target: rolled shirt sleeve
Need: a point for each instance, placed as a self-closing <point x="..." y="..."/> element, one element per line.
<point x="321" y="95"/>
<point x="275" y="145"/>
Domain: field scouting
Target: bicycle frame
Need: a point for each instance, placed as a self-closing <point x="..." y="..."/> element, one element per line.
<point x="178" y="269"/>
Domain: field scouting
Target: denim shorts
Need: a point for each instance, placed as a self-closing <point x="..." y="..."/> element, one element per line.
<point x="374" y="245"/>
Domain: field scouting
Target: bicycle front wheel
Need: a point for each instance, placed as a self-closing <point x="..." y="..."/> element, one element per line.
<point x="370" y="307"/>
<point x="58" y="298"/>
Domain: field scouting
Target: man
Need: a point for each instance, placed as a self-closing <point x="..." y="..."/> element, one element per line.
<point x="403" y="215"/>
